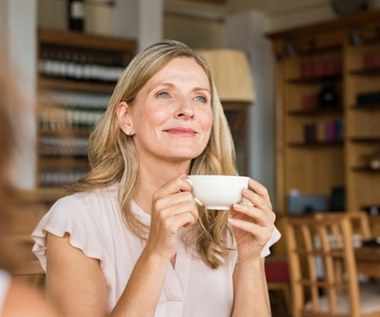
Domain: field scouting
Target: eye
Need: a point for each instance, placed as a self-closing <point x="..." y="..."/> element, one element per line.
<point x="163" y="94"/>
<point x="201" y="99"/>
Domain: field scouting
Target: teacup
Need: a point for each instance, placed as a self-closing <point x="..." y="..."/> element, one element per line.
<point x="218" y="192"/>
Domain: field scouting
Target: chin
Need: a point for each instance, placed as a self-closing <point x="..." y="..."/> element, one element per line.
<point x="182" y="155"/>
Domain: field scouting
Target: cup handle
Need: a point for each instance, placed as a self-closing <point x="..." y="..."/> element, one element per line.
<point x="195" y="198"/>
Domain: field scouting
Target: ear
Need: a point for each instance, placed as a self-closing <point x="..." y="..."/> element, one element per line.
<point x="124" y="118"/>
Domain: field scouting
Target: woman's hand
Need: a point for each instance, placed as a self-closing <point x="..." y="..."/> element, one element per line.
<point x="173" y="207"/>
<point x="252" y="223"/>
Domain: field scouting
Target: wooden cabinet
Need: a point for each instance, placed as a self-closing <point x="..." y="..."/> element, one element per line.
<point x="328" y="111"/>
<point x="363" y="123"/>
<point x="76" y="76"/>
<point x="237" y="114"/>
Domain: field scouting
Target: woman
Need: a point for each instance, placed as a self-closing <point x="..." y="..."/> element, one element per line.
<point x="131" y="240"/>
<point x="16" y="298"/>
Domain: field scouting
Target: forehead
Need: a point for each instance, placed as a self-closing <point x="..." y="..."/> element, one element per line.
<point x="183" y="68"/>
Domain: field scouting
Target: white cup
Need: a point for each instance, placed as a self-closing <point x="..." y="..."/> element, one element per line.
<point x="218" y="192"/>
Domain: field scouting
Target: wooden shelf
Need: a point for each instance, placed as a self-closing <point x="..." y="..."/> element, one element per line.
<point x="40" y="195"/>
<point x="368" y="139"/>
<point x="77" y="73"/>
<point x="315" y="144"/>
<point x="366" y="72"/>
<point x="71" y="85"/>
<point x="65" y="133"/>
<point x="316" y="112"/>
<point x="366" y="169"/>
<point x="78" y="39"/>
<point x="312" y="80"/>
<point x="372" y="106"/>
<point x="319" y="167"/>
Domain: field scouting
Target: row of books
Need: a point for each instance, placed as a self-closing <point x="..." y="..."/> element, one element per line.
<point x="324" y="131"/>
<point x="59" y="178"/>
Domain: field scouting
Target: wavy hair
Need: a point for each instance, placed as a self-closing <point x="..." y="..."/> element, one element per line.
<point x="112" y="154"/>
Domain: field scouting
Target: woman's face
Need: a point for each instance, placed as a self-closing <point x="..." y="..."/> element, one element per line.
<point x="171" y="117"/>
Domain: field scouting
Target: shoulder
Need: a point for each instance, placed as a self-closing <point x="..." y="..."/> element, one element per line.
<point x="93" y="201"/>
<point x="101" y="193"/>
<point x="33" y="302"/>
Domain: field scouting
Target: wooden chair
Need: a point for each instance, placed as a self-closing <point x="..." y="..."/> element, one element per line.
<point x="323" y="274"/>
<point x="277" y="275"/>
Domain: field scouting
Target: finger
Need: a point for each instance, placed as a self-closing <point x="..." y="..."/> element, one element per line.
<point x="173" y="186"/>
<point x="177" y="204"/>
<point x="179" y="219"/>
<point x="256" y="215"/>
<point x="255" y="199"/>
<point x="259" y="203"/>
<point x="173" y="201"/>
<point x="261" y="233"/>
<point x="261" y="190"/>
<point x="186" y="218"/>
<point x="187" y="206"/>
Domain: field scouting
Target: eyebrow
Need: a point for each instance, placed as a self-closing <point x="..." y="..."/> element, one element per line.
<point x="194" y="89"/>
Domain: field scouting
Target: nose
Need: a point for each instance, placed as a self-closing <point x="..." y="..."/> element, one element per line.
<point x="185" y="109"/>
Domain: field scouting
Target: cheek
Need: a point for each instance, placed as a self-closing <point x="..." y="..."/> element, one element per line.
<point x="148" y="118"/>
<point x="207" y="122"/>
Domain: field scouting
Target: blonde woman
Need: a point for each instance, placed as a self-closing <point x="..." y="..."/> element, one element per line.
<point x="131" y="241"/>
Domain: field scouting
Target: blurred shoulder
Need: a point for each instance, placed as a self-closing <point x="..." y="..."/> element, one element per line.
<point x="24" y="300"/>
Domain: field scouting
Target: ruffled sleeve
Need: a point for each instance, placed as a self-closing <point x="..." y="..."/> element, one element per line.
<point x="276" y="235"/>
<point x="70" y="215"/>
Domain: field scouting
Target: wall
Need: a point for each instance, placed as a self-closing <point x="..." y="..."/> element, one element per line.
<point x="196" y="24"/>
<point x="252" y="25"/>
<point x="286" y="14"/>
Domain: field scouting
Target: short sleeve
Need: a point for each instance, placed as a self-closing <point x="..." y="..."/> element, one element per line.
<point x="275" y="236"/>
<point x="69" y="215"/>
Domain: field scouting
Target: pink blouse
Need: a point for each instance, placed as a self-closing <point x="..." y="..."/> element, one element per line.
<point x="96" y="226"/>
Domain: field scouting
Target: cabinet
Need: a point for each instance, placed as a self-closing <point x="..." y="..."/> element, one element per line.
<point x="237" y="116"/>
<point x="363" y="122"/>
<point x="328" y="112"/>
<point x="76" y="76"/>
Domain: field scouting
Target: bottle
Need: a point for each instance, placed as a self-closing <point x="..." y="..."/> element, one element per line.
<point x="328" y="97"/>
<point x="75" y="12"/>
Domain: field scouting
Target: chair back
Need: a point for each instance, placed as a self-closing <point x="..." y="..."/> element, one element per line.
<point x="322" y="263"/>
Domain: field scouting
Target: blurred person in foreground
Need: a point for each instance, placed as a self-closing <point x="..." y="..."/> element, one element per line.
<point x="16" y="298"/>
<point x="131" y="240"/>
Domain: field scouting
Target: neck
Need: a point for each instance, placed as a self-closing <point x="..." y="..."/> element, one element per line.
<point x="152" y="176"/>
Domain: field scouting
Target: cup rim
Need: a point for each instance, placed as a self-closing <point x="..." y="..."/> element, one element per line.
<point x="217" y="176"/>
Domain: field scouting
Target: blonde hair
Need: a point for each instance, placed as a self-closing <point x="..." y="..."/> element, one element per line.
<point x="112" y="154"/>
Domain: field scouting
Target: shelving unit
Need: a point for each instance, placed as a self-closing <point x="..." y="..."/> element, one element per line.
<point x="76" y="75"/>
<point x="363" y="121"/>
<point x="237" y="117"/>
<point x="323" y="149"/>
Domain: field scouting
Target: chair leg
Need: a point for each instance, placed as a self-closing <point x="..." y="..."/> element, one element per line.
<point x="284" y="289"/>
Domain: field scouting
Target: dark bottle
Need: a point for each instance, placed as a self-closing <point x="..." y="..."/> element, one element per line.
<point x="75" y="15"/>
<point x="328" y="97"/>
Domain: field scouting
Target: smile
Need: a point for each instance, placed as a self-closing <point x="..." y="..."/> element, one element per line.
<point x="181" y="131"/>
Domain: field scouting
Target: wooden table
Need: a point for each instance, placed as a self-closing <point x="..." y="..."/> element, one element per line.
<point x="368" y="261"/>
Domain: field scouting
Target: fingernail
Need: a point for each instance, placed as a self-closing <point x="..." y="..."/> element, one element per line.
<point x="198" y="201"/>
<point x="237" y="206"/>
<point x="189" y="181"/>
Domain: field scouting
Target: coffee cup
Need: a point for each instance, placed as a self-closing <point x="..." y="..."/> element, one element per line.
<point x="218" y="192"/>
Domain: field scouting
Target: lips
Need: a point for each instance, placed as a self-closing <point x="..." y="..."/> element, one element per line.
<point x="181" y="131"/>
